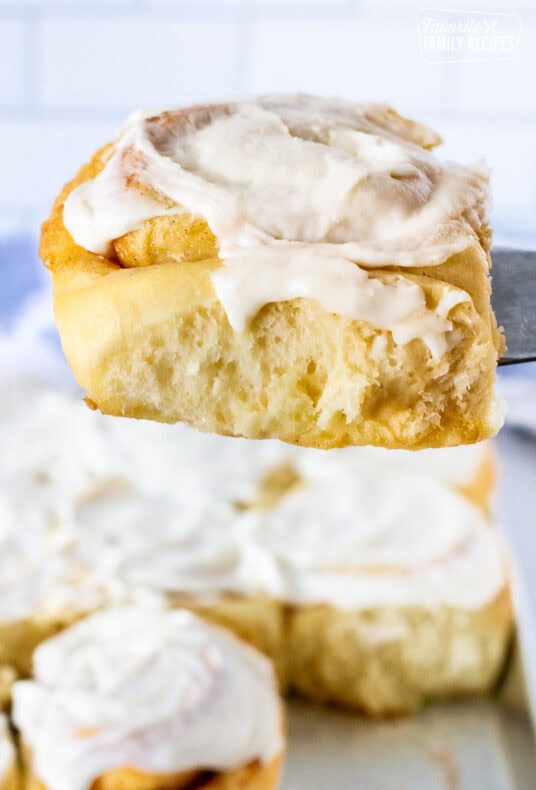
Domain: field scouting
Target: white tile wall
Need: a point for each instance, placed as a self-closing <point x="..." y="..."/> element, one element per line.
<point x="125" y="63"/>
<point x="12" y="62"/>
<point x="511" y="82"/>
<point x="347" y="57"/>
<point x="510" y="151"/>
<point x="38" y="156"/>
<point x="71" y="69"/>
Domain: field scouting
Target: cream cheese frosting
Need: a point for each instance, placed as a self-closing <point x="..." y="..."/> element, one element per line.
<point x="27" y="567"/>
<point x="134" y="547"/>
<point x="157" y="690"/>
<point x="457" y="466"/>
<point x="305" y="196"/>
<point x="361" y="541"/>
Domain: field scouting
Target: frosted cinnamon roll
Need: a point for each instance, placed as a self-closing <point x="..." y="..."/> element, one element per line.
<point x="149" y="699"/>
<point x="397" y="589"/>
<point x="288" y="267"/>
<point x="9" y="770"/>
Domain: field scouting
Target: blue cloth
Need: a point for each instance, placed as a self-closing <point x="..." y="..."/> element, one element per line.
<point x="21" y="273"/>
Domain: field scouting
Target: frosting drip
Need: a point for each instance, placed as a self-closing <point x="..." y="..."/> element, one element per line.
<point x="304" y="196"/>
<point x="109" y="691"/>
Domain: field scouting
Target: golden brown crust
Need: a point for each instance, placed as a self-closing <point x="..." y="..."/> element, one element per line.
<point x="172" y="239"/>
<point x="18" y="640"/>
<point x="57" y="248"/>
<point x="255" y="776"/>
<point x="13" y="779"/>
<point x="391" y="660"/>
<point x="147" y="337"/>
<point x="8" y="676"/>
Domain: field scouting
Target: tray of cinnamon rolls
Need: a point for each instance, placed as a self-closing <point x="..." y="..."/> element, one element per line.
<point x="167" y="594"/>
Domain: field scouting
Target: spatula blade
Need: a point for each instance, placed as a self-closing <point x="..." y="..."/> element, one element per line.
<point x="514" y="302"/>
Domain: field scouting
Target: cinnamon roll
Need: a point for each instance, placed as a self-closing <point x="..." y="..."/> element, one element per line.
<point x="9" y="770"/>
<point x="396" y="589"/>
<point x="288" y="267"/>
<point x="149" y="699"/>
<point x="377" y="587"/>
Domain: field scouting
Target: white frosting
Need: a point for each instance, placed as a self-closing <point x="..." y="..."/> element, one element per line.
<point x="157" y="690"/>
<point x="95" y="510"/>
<point x="367" y="540"/>
<point x="252" y="280"/>
<point x="7" y="750"/>
<point x="458" y="466"/>
<point x="303" y="195"/>
<point x="27" y="567"/>
<point x="134" y="546"/>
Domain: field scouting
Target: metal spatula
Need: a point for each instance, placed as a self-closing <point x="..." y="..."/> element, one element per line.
<point x="514" y="302"/>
